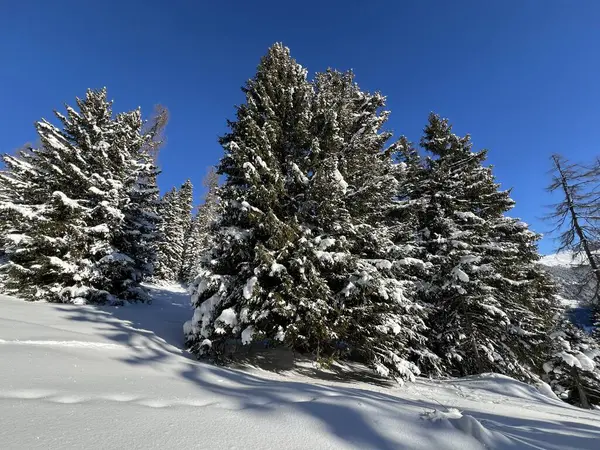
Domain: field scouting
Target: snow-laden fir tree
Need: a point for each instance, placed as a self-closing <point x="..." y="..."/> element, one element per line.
<point x="359" y="233"/>
<point x="186" y="201"/>
<point x="176" y="218"/>
<point x="251" y="287"/>
<point x="65" y="205"/>
<point x="141" y="225"/>
<point x="492" y="307"/>
<point x="200" y="236"/>
<point x="170" y="246"/>
<point x="303" y="253"/>
<point x="573" y="370"/>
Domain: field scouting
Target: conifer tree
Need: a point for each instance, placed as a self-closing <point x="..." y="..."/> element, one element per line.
<point x="200" y="236"/>
<point x="575" y="216"/>
<point x="65" y="205"/>
<point x="169" y="247"/>
<point x="256" y="284"/>
<point x="359" y="243"/>
<point x="186" y="200"/>
<point x="491" y="311"/>
<point x="300" y="254"/>
<point x="573" y="370"/>
<point x="176" y="218"/>
<point x="141" y="220"/>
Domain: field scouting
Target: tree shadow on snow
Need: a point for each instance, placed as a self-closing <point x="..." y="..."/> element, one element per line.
<point x="336" y="407"/>
<point x="153" y="331"/>
<point x="154" y="334"/>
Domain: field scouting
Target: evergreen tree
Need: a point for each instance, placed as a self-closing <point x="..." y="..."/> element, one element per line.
<point x="360" y="243"/>
<point x="176" y="218"/>
<point x="141" y="220"/>
<point x="300" y="254"/>
<point x="185" y="200"/>
<point x="170" y="244"/>
<point x="200" y="236"/>
<point x="64" y="204"/>
<point x="257" y="283"/>
<point x="573" y="371"/>
<point x="491" y="309"/>
<point x="596" y="324"/>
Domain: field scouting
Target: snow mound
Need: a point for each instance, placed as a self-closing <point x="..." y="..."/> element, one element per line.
<point x="545" y="389"/>
<point x="468" y="425"/>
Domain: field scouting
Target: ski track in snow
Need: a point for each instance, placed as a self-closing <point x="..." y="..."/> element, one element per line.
<point x="69" y="374"/>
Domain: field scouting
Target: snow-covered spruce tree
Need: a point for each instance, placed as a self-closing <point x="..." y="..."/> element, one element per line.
<point x="67" y="206"/>
<point x="359" y="235"/>
<point x="573" y="371"/>
<point x="170" y="246"/>
<point x="141" y="224"/>
<point x="492" y="308"/>
<point x="259" y="283"/>
<point x="176" y="218"/>
<point x="200" y="236"/>
<point x="186" y="200"/>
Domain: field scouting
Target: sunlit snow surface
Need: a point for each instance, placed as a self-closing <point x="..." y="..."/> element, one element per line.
<point x="97" y="378"/>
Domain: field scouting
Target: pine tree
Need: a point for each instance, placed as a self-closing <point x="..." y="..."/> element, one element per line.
<point x="573" y="371"/>
<point x="200" y="236"/>
<point x="170" y="244"/>
<point x="176" y="217"/>
<point x="302" y="250"/>
<point x="596" y="323"/>
<point x="491" y="311"/>
<point x="256" y="284"/>
<point x="360" y="241"/>
<point x="141" y="220"/>
<point x="185" y="200"/>
<point x="64" y="204"/>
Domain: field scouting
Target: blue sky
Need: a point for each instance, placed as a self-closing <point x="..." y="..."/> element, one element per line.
<point x="521" y="76"/>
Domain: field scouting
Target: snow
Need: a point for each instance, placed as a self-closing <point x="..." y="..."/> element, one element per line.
<point x="249" y="287"/>
<point x="546" y="390"/>
<point x="276" y="268"/>
<point x="17" y="238"/>
<point x="247" y="335"/>
<point x="57" y="262"/>
<point x="339" y="179"/>
<point x="115" y="257"/>
<point x="100" y="229"/>
<point x="117" y="377"/>
<point x="228" y="317"/>
<point x="577" y="359"/>
<point x="460" y="274"/>
<point x="66" y="200"/>
<point x="348" y="289"/>
<point x="324" y="244"/>
<point x="564" y="259"/>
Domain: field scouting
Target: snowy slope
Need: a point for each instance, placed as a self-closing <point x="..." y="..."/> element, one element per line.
<point x="569" y="273"/>
<point x="85" y="377"/>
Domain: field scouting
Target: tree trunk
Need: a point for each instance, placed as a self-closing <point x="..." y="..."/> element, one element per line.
<point x="583" y="400"/>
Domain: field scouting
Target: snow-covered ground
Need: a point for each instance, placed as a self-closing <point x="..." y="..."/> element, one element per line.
<point x="97" y="378"/>
<point x="570" y="272"/>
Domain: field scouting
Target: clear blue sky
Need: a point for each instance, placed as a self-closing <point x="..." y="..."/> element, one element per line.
<point x="521" y="76"/>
